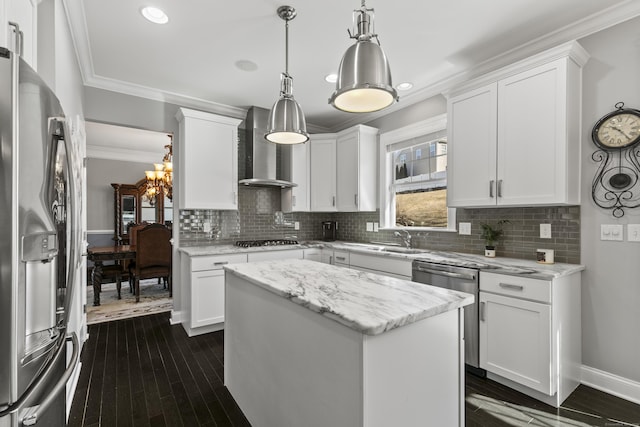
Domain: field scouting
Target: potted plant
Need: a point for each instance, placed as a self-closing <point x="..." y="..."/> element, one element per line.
<point x="491" y="234"/>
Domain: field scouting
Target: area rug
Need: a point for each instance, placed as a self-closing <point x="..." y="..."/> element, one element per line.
<point x="153" y="299"/>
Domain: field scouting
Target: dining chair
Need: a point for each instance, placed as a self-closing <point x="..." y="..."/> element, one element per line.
<point x="153" y="256"/>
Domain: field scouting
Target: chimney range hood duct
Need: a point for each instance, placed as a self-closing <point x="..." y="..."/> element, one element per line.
<point x="266" y="164"/>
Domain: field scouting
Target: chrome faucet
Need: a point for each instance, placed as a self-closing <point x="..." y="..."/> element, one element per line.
<point x="406" y="237"/>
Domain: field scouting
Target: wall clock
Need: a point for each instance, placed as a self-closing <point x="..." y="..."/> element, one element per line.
<point x="616" y="184"/>
<point x="618" y="129"/>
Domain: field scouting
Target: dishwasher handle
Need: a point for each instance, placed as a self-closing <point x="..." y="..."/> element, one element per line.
<point x="445" y="273"/>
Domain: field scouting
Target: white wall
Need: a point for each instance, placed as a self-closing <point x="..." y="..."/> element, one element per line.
<point x="611" y="282"/>
<point x="100" y="174"/>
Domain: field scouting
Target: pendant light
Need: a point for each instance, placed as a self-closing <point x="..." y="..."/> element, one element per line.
<point x="286" y="120"/>
<point x="364" y="77"/>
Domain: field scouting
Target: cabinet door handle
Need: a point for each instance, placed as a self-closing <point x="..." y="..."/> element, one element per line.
<point x="355" y="199"/>
<point x="333" y="201"/>
<point x="235" y="198"/>
<point x="340" y="258"/>
<point x="18" y="49"/>
<point x="513" y="287"/>
<point x="491" y="183"/>
<point x="499" y="188"/>
<point x="221" y="263"/>
<point x="482" y="305"/>
<point x="294" y="200"/>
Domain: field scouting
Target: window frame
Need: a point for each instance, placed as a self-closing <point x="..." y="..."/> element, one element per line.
<point x="386" y="170"/>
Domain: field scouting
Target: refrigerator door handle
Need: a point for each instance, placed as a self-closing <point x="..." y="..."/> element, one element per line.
<point x="31" y="413"/>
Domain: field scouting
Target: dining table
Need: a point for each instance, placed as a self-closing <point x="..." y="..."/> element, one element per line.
<point x="100" y="254"/>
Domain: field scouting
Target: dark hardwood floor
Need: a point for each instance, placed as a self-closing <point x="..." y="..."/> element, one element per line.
<point x="145" y="372"/>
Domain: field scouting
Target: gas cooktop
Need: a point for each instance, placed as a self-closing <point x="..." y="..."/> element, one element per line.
<point x="269" y="242"/>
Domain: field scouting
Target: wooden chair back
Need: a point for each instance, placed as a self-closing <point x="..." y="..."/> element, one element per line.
<point x="153" y="246"/>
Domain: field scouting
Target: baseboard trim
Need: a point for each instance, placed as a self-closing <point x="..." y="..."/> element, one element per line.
<point x="176" y="317"/>
<point x="621" y="387"/>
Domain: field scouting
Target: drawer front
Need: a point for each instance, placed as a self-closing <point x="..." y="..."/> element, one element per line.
<point x="401" y="267"/>
<point x="516" y="286"/>
<point x="213" y="262"/>
<point x="340" y="257"/>
<point x="273" y="255"/>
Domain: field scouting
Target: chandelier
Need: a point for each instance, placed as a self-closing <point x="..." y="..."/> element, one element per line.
<point x="160" y="180"/>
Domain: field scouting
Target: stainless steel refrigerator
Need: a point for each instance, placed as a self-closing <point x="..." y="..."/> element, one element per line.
<point x="37" y="249"/>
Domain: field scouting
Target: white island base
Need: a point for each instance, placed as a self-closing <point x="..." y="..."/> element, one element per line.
<point x="288" y="366"/>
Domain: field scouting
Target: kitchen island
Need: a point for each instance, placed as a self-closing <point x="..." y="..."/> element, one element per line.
<point x="310" y="344"/>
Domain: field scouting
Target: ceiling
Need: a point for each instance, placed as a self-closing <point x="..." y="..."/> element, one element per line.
<point x="192" y="59"/>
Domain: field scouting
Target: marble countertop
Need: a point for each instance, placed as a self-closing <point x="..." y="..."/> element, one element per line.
<point x="366" y="302"/>
<point x="501" y="265"/>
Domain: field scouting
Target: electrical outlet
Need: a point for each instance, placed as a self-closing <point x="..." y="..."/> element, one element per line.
<point x="375" y="227"/>
<point x="633" y="232"/>
<point x="611" y="232"/>
<point x="545" y="231"/>
<point x="464" y="228"/>
<point x="369" y="226"/>
<point x="296" y="225"/>
<point x="206" y="227"/>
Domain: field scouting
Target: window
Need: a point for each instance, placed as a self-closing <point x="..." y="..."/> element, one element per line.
<point x="414" y="177"/>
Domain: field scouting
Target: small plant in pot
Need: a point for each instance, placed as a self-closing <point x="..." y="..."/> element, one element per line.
<point x="491" y="234"/>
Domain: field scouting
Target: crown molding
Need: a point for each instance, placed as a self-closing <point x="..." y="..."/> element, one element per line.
<point x="585" y="27"/>
<point x="614" y="15"/>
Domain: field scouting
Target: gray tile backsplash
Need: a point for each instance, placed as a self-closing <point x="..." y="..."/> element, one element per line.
<point x="256" y="219"/>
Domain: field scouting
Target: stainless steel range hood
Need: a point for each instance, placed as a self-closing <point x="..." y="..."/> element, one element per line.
<point x="266" y="164"/>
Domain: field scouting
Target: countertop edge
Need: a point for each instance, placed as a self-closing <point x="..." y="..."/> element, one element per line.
<point x="367" y="328"/>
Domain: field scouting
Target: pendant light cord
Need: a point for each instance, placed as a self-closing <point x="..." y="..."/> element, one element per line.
<point x="286" y="46"/>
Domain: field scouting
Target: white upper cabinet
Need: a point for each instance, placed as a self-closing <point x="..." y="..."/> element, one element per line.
<point x="514" y="135"/>
<point x="24" y="14"/>
<point x="356" y="165"/>
<point x="298" y="198"/>
<point x="208" y="161"/>
<point x="323" y="172"/>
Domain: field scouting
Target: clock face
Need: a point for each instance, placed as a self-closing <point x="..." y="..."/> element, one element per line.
<point x="619" y="129"/>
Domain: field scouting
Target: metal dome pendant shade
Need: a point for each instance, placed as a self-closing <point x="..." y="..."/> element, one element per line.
<point x="286" y="123"/>
<point x="364" y="76"/>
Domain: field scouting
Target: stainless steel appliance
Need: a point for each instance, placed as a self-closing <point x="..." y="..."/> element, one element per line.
<point x="266" y="164"/>
<point x="329" y="231"/>
<point x="37" y="249"/>
<point x="458" y="279"/>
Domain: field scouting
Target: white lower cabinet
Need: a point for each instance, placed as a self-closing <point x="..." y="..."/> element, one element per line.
<point x="273" y="255"/>
<point x="521" y="353"/>
<point x="530" y="334"/>
<point x="204" y="291"/>
<point x="387" y="266"/>
<point x="313" y="254"/>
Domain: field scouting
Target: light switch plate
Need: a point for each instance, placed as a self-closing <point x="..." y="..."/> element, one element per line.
<point x="633" y="232"/>
<point x="464" y="228"/>
<point x="375" y="227"/>
<point x="611" y="232"/>
<point x="369" y="226"/>
<point x="545" y="231"/>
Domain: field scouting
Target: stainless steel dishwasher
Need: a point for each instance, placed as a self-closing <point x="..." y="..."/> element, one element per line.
<point x="458" y="279"/>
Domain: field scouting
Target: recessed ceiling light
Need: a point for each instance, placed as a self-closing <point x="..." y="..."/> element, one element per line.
<point x="155" y="15"/>
<point x="331" y="78"/>
<point x="246" y="65"/>
<point x="405" y="86"/>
